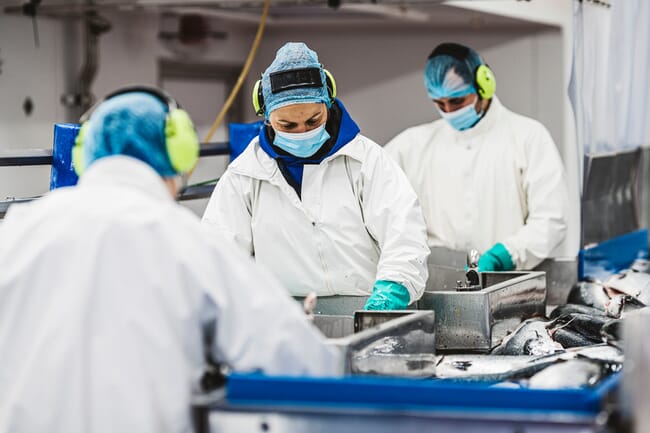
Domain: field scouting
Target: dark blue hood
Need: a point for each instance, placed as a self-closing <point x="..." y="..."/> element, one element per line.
<point x="341" y="128"/>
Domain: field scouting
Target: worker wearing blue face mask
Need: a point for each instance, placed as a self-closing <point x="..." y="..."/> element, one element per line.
<point x="487" y="178"/>
<point x="320" y="205"/>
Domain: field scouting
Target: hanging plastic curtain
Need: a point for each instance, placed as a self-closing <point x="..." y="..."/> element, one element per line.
<point x="629" y="71"/>
<point x="609" y="85"/>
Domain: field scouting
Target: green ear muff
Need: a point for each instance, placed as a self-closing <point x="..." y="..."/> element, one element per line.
<point x="485" y="82"/>
<point x="181" y="141"/>
<point x="331" y="84"/>
<point x="77" y="150"/>
<point x="258" y="96"/>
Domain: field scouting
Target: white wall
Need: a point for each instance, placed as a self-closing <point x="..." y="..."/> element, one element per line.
<point x="37" y="73"/>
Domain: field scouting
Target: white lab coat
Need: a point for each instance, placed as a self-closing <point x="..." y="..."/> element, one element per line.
<point x="358" y="221"/>
<point x="500" y="181"/>
<point x="108" y="292"/>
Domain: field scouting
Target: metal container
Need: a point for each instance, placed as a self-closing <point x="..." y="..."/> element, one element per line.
<point x="333" y="326"/>
<point x="367" y="319"/>
<point x="341" y="305"/>
<point x="402" y="346"/>
<point x="465" y="320"/>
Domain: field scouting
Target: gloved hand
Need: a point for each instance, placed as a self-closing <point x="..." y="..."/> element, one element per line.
<point x="388" y="295"/>
<point x="497" y="259"/>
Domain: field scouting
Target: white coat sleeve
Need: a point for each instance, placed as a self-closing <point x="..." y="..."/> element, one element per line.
<point x="394" y="219"/>
<point x="545" y="188"/>
<point x="229" y="211"/>
<point x="259" y="327"/>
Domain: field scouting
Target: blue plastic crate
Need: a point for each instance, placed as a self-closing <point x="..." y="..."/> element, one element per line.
<point x="613" y="255"/>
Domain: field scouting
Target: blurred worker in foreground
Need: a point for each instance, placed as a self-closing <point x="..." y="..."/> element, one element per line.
<point x="487" y="178"/>
<point x="112" y="299"/>
<point x="322" y="206"/>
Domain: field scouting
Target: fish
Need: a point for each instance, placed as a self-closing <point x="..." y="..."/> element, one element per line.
<point x="574" y="373"/>
<point x="634" y="284"/>
<point x="488" y="368"/>
<point x="595" y="294"/>
<point x="569" y="338"/>
<point x="603" y="353"/>
<point x="585" y="324"/>
<point x="530" y="338"/>
<point x="612" y="331"/>
<point x="640" y="265"/>
<point x="565" y="309"/>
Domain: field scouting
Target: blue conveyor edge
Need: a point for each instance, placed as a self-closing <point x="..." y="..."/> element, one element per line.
<point x="393" y="394"/>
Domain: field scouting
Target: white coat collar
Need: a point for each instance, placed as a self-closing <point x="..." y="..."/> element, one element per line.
<point x="125" y="171"/>
<point x="256" y="163"/>
<point x="488" y="121"/>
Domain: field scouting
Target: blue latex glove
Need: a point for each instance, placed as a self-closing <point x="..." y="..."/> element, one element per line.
<point x="388" y="295"/>
<point x="497" y="259"/>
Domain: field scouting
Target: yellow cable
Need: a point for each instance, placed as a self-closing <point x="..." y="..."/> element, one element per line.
<point x="242" y="75"/>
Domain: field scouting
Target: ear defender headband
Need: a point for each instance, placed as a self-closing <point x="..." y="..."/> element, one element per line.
<point x="181" y="141"/>
<point x="484" y="80"/>
<point x="293" y="79"/>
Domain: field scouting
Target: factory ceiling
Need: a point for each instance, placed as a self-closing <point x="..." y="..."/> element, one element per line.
<point x="430" y="13"/>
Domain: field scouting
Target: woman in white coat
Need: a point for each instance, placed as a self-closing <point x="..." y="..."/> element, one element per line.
<point x="112" y="299"/>
<point x="321" y="206"/>
<point x="488" y="179"/>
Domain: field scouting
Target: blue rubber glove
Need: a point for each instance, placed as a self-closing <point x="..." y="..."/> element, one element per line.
<point x="497" y="259"/>
<point x="388" y="295"/>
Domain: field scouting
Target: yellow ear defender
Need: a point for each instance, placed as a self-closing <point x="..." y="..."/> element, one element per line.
<point x="181" y="141"/>
<point x="484" y="79"/>
<point x="486" y="84"/>
<point x="293" y="79"/>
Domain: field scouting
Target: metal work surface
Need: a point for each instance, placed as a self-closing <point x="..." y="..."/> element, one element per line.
<point x="337" y="305"/>
<point x="446" y="266"/>
<point x="224" y="420"/>
<point x="464" y="319"/>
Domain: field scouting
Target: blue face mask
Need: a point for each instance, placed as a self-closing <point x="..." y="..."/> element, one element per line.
<point x="463" y="118"/>
<point x="302" y="144"/>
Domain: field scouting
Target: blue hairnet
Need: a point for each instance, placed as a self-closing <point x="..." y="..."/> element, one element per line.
<point x="293" y="55"/>
<point x="131" y="124"/>
<point x="447" y="77"/>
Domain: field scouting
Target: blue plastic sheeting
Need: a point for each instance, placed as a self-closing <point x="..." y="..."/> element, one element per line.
<point x="240" y="134"/>
<point x="613" y="255"/>
<point x="388" y="394"/>
<point x="62" y="173"/>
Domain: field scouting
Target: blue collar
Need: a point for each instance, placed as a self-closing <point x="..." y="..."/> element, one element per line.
<point x="341" y="127"/>
<point x="342" y="130"/>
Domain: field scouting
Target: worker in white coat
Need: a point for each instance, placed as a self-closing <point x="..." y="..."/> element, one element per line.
<point x="113" y="300"/>
<point x="320" y="205"/>
<point x="487" y="178"/>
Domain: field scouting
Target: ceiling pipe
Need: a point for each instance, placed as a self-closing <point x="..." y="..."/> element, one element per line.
<point x="82" y="98"/>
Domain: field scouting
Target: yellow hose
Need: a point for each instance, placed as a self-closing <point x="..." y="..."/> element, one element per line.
<point x="242" y="75"/>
